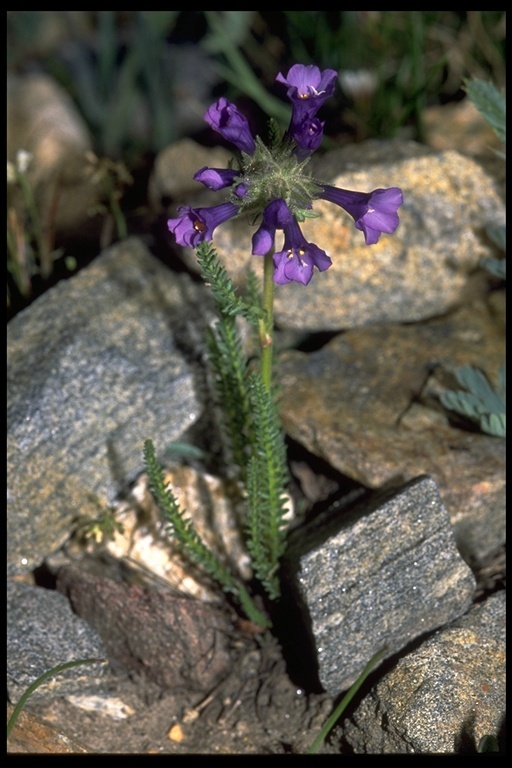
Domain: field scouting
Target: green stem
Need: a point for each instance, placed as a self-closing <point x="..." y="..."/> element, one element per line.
<point x="266" y="326"/>
<point x="251" y="611"/>
<point x="115" y="208"/>
<point x="36" y="226"/>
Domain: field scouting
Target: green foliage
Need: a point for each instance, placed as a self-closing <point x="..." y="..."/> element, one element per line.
<point x="393" y="64"/>
<point x="226" y="299"/>
<point x="102" y="528"/>
<point x="182" y="529"/>
<point x="478" y="401"/>
<point x="115" y="64"/>
<point x="252" y="423"/>
<point x="255" y="443"/>
<point x="110" y="86"/>
<point x="227" y="33"/>
<point x="30" y="235"/>
<point x="488" y="743"/>
<point x="333" y="719"/>
<point x="185" y="450"/>
<point x="490" y="103"/>
<point x="492" y="106"/>
<point x="30" y="247"/>
<point x="497" y="267"/>
<point x="227" y="357"/>
<point x="266" y="487"/>
<point x="232" y="394"/>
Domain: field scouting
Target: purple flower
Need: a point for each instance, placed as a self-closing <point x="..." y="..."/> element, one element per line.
<point x="276" y="215"/>
<point x="271" y="183"/>
<point x="308" y="89"/>
<point x="195" y="225"/>
<point x="308" y="86"/>
<point x="298" y="257"/>
<point x="216" y="178"/>
<point x="225" y="118"/>
<point x="307" y="135"/>
<point x="373" y="212"/>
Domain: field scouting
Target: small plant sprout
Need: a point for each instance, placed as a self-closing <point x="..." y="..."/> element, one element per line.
<point x="39" y="681"/>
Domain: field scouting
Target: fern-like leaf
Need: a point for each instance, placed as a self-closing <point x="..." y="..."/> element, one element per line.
<point x="182" y="528"/>
<point x="478" y="401"/>
<point x="490" y="103"/>
<point x="191" y="543"/>
<point x="275" y="135"/>
<point x="266" y="487"/>
<point x="224" y="294"/>
<point x="232" y="390"/>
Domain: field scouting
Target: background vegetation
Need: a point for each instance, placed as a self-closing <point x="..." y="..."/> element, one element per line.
<point x="142" y="79"/>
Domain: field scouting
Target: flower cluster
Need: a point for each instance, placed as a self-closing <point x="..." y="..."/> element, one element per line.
<point x="270" y="183"/>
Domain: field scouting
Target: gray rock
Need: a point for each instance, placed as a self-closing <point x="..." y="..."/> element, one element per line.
<point x="387" y="574"/>
<point x="43" y="632"/>
<point x="442" y="697"/>
<point x="93" y="370"/>
<point x="368" y="404"/>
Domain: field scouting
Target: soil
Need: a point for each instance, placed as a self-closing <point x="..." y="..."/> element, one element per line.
<point x="254" y="709"/>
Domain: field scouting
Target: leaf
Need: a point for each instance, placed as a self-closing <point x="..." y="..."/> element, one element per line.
<point x="335" y="716"/>
<point x="479" y="402"/>
<point x="494" y="424"/>
<point x="488" y="743"/>
<point x="475" y="382"/>
<point x="490" y="103"/>
<point x="185" y="450"/>
<point x="498" y="235"/>
<point x="40" y="680"/>
<point x="497" y="267"/>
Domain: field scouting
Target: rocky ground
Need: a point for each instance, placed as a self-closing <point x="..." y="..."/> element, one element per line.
<point x="98" y="363"/>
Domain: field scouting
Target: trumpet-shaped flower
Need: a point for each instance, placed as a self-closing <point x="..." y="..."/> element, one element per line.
<point x="308" y="89"/>
<point x="308" y="86"/>
<point x="298" y="257"/>
<point x="276" y="216"/>
<point x="373" y="212"/>
<point x="307" y="135"/>
<point x="196" y="225"/>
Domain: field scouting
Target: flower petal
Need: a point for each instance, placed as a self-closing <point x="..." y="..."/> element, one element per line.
<point x="308" y="82"/>
<point x="298" y="258"/>
<point x="276" y="215"/>
<point x="373" y="212"/>
<point x="307" y="134"/>
<point x="225" y="118"/>
<point x="216" y="178"/>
